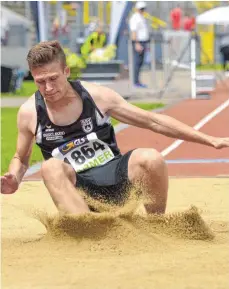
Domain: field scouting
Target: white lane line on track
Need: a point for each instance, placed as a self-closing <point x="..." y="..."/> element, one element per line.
<point x="200" y="124"/>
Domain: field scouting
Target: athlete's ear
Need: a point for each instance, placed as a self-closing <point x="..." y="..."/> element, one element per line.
<point x="67" y="71"/>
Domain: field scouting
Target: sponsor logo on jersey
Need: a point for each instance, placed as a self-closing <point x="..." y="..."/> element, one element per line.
<point x="73" y="144"/>
<point x="51" y="135"/>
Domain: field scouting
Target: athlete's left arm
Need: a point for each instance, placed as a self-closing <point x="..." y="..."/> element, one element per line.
<point x="125" y="112"/>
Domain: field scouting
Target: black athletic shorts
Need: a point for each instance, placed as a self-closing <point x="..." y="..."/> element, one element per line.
<point x="108" y="182"/>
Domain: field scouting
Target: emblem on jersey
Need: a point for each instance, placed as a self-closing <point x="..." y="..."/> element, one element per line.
<point x="87" y="124"/>
<point x="48" y="126"/>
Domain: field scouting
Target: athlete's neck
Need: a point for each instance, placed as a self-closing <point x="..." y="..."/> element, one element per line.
<point x="69" y="97"/>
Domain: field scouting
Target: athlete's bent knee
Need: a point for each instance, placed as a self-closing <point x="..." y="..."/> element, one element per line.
<point x="51" y="166"/>
<point x="151" y="158"/>
<point x="54" y="169"/>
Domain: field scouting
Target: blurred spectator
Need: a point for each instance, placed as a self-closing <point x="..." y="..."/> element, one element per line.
<point x="189" y="22"/>
<point x="175" y="17"/>
<point x="140" y="37"/>
<point x="224" y="49"/>
<point x="95" y="40"/>
<point x="20" y="74"/>
<point x="55" y="27"/>
<point x="91" y="27"/>
<point x="17" y="77"/>
<point x="60" y="27"/>
<point x="4" y="29"/>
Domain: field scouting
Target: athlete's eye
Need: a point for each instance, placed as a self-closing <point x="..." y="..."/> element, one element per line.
<point x="40" y="81"/>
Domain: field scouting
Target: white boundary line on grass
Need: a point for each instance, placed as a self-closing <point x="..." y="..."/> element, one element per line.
<point x="200" y="124"/>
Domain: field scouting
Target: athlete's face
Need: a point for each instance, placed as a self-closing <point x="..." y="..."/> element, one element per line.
<point x="51" y="80"/>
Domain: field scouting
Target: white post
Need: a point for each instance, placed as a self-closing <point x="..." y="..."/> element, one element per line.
<point x="28" y="17"/>
<point x="41" y="21"/>
<point x="165" y="52"/>
<point x="153" y="62"/>
<point x="131" y="62"/>
<point x="193" y="68"/>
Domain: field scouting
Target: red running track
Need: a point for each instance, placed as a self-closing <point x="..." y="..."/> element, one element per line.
<point x="190" y="112"/>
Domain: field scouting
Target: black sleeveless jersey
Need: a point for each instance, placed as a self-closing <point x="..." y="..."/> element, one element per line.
<point x="50" y="136"/>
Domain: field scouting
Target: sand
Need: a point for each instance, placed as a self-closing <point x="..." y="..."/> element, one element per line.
<point x="186" y="248"/>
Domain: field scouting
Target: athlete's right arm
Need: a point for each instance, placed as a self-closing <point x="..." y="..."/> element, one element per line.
<point x="20" y="162"/>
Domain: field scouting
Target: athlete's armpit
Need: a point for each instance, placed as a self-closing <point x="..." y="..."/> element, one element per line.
<point x="123" y="111"/>
<point x="114" y="105"/>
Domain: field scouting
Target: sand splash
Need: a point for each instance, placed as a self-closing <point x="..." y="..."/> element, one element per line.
<point x="124" y="223"/>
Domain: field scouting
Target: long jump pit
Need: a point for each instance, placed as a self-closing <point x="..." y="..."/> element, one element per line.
<point x="123" y="248"/>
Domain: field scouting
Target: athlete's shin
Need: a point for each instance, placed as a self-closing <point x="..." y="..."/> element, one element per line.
<point x="60" y="179"/>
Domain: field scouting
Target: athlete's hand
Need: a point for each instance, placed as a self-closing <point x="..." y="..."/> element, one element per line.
<point x="220" y="143"/>
<point x="9" y="184"/>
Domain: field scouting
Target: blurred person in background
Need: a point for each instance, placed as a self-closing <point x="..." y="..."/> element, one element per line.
<point x="4" y="29"/>
<point x="55" y="27"/>
<point x="91" y="27"/>
<point x="175" y="17"/>
<point x="224" y="50"/>
<point x="96" y="39"/>
<point x="189" y="22"/>
<point x="140" y="37"/>
<point x="60" y="28"/>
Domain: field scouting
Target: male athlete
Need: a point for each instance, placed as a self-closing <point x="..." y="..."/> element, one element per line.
<point x="70" y="123"/>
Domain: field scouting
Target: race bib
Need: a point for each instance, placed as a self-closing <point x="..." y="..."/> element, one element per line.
<point x="84" y="153"/>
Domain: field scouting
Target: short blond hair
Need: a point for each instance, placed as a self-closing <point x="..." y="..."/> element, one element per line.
<point x="46" y="52"/>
